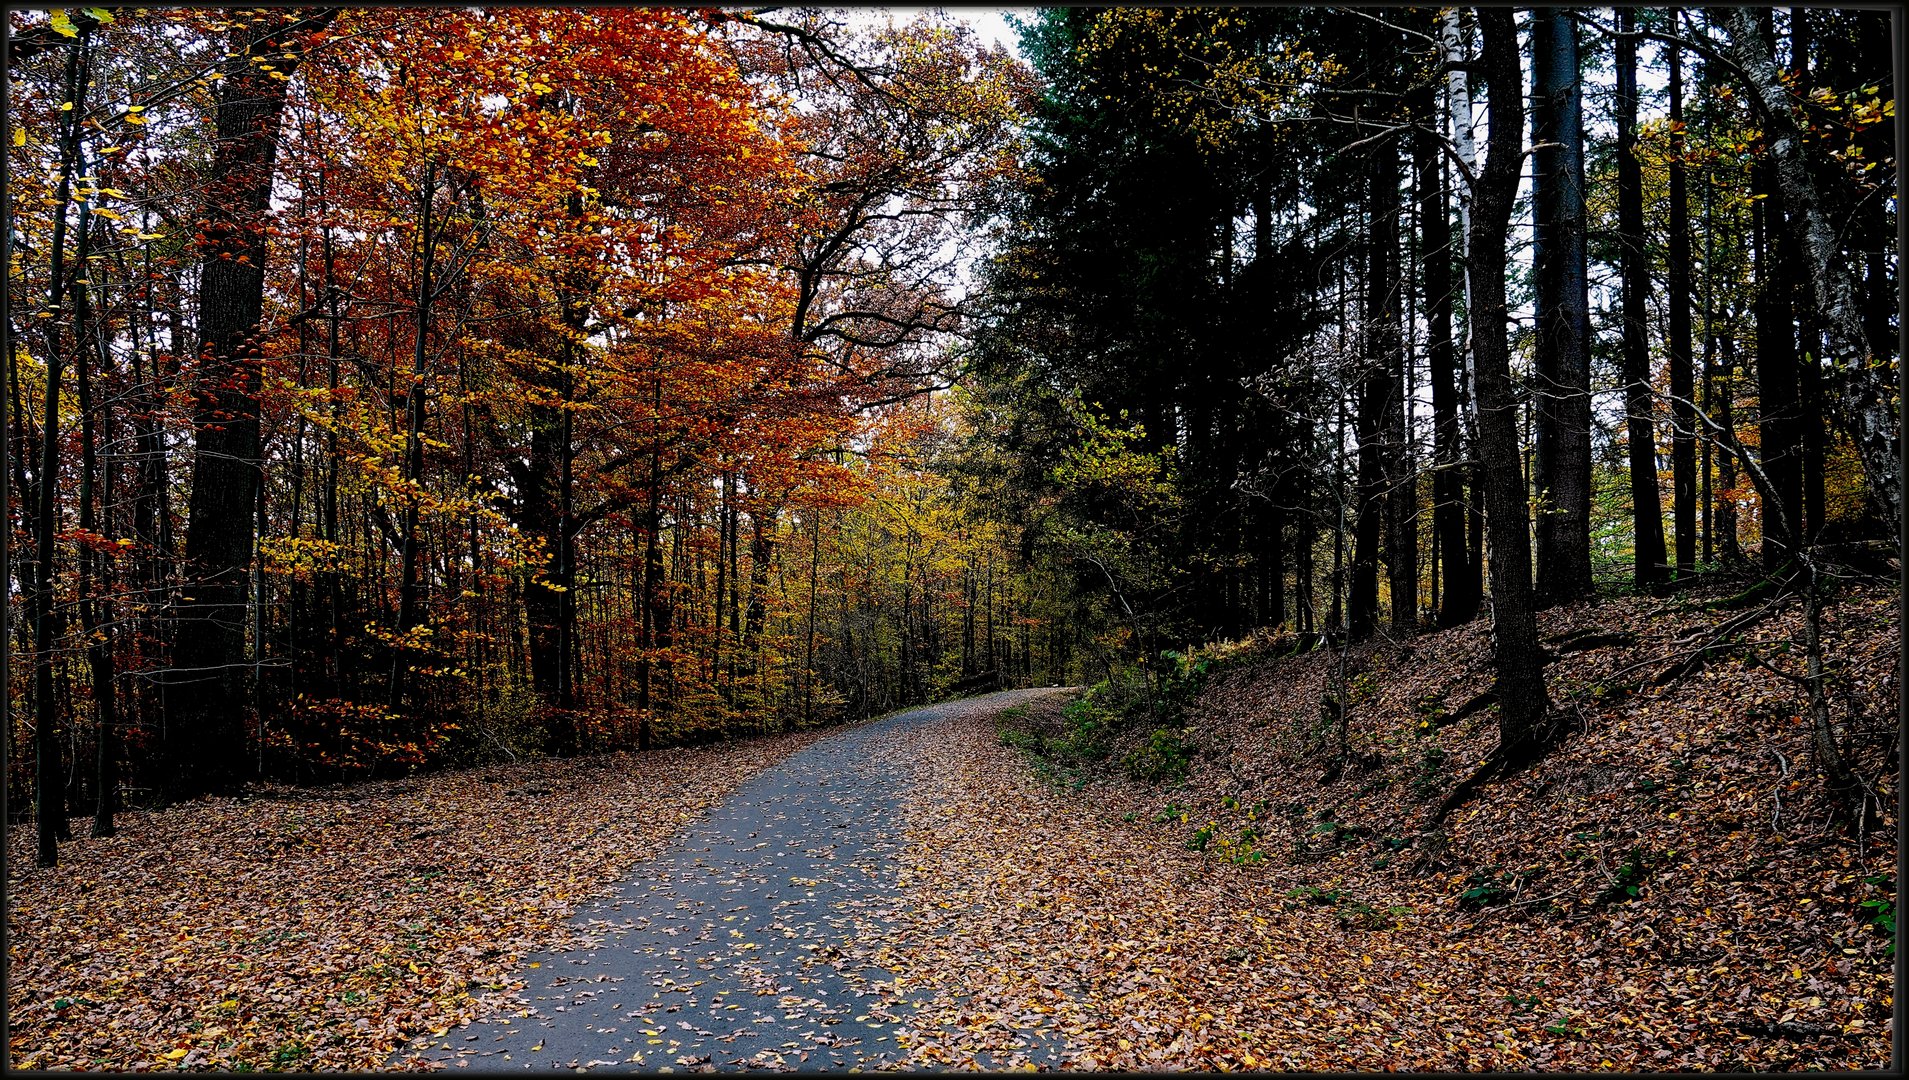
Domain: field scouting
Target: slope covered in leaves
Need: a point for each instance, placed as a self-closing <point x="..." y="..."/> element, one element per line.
<point x="1660" y="893"/>
<point x="319" y="928"/>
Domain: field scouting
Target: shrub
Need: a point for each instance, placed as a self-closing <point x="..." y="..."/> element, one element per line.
<point x="1164" y="759"/>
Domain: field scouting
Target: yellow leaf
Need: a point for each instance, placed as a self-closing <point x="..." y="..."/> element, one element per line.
<point x="175" y="1055"/>
<point x="19" y="136"/>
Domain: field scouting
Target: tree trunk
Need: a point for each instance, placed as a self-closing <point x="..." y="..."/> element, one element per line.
<point x="414" y="442"/>
<point x="1375" y="400"/>
<point x="1455" y="572"/>
<point x="1563" y="362"/>
<point x="95" y="586"/>
<point x="1683" y="439"/>
<point x="205" y="730"/>
<point x="1776" y="379"/>
<point x="1523" y="704"/>
<point x="1647" y="511"/>
<point x="49" y="804"/>
<point x="1390" y="360"/>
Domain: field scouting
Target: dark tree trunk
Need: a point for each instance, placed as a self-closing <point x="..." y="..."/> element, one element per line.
<point x="1813" y="441"/>
<point x="1683" y="439"/>
<point x="1523" y="705"/>
<point x="1369" y="497"/>
<point x="49" y="803"/>
<point x="1647" y="511"/>
<point x="1563" y="367"/>
<point x="408" y="602"/>
<point x="1388" y="360"/>
<point x="1455" y="570"/>
<point x="95" y="587"/>
<point x="205" y="730"/>
<point x="1776" y="379"/>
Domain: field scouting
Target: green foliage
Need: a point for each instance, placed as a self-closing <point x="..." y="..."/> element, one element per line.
<point x="1486" y="888"/>
<point x="1428" y="779"/>
<point x="1881" y="911"/>
<point x="1164" y="759"/>
<point x="1349" y="913"/>
<point x="1627" y="880"/>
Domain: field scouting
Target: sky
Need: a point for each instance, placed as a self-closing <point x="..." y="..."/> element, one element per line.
<point x="988" y="22"/>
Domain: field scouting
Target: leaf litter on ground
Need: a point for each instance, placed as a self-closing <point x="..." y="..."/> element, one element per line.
<point x="321" y="928"/>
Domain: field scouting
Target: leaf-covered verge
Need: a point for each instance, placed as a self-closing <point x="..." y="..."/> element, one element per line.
<point x="319" y="928"/>
<point x="1636" y="900"/>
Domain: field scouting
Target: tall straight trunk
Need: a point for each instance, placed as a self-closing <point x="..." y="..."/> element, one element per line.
<point x="1705" y="503"/>
<point x="1683" y="438"/>
<point x="656" y="613"/>
<point x="1813" y="441"/>
<point x="1523" y="704"/>
<point x="1776" y="378"/>
<point x="1389" y="361"/>
<point x="205" y="731"/>
<point x="1369" y="502"/>
<point x="1339" y="623"/>
<point x="1647" y="511"/>
<point x="1454" y="571"/>
<point x="1563" y="365"/>
<point x="49" y="804"/>
<point x="414" y="438"/>
<point x="95" y="587"/>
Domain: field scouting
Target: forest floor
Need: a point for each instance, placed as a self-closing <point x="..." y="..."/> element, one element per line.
<point x="318" y="928"/>
<point x="1662" y="892"/>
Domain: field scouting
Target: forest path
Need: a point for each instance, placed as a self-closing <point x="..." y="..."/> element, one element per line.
<point x="751" y="941"/>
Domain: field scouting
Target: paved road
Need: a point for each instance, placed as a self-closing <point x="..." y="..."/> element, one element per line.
<point x="735" y="947"/>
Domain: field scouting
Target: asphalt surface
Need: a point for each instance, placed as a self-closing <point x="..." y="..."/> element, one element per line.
<point x="738" y="946"/>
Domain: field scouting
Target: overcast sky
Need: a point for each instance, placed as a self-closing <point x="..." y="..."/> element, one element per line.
<point x="987" y="22"/>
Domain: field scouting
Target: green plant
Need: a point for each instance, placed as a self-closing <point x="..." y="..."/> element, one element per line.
<point x="1313" y="894"/>
<point x="1429" y="778"/>
<point x="1203" y="836"/>
<point x="1486" y="888"/>
<point x="1523" y="1003"/>
<point x="1164" y="759"/>
<point x="1882" y="911"/>
<point x="1627" y="880"/>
